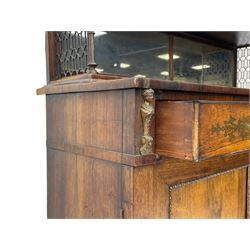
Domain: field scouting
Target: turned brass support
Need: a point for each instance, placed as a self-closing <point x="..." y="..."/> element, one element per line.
<point x="91" y="53"/>
<point x="147" y="112"/>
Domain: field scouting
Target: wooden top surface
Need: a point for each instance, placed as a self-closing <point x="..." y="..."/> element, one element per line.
<point x="231" y="39"/>
<point x="98" y="82"/>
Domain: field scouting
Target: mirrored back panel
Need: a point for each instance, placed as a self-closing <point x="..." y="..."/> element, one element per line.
<point x="158" y="55"/>
<point x="202" y="63"/>
<point x="133" y="53"/>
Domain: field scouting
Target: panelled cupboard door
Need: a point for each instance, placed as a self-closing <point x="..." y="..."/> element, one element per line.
<point x="217" y="196"/>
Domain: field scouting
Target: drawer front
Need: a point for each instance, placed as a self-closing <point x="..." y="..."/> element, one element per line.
<point x="197" y="130"/>
<point x="223" y="128"/>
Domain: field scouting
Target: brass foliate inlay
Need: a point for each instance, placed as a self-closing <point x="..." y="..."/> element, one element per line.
<point x="234" y="127"/>
<point x="147" y="112"/>
<point x="248" y="194"/>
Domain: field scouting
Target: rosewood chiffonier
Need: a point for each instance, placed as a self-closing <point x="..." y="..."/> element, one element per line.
<point x="151" y="129"/>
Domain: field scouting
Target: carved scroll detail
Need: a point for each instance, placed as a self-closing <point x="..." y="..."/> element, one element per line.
<point x="147" y="112"/>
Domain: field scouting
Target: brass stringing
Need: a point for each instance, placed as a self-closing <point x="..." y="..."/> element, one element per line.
<point x="147" y="112"/>
<point x="248" y="194"/>
<point x="233" y="126"/>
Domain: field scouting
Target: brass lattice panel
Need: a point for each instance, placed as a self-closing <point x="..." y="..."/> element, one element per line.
<point x="243" y="67"/>
<point x="71" y="53"/>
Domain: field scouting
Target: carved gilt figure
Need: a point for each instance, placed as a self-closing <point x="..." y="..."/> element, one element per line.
<point x="147" y="112"/>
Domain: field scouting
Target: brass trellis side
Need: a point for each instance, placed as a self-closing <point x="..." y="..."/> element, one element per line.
<point x="147" y="112"/>
<point x="75" y="53"/>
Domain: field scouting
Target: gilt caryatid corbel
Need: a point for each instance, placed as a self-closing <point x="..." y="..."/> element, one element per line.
<point x="147" y="112"/>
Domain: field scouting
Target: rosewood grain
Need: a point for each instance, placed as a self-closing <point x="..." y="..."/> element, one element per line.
<point x="103" y="154"/>
<point x="175" y="171"/>
<point x="224" y="128"/>
<point x="153" y="184"/>
<point x="200" y="88"/>
<point x="172" y="95"/>
<point x="95" y="170"/>
<point x="150" y="194"/>
<point x="220" y="196"/>
<point x="102" y="83"/>
<point x="50" y="56"/>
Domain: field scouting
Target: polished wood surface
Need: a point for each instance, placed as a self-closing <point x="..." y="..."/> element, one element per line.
<point x="224" y="128"/>
<point x="152" y="184"/>
<point x="82" y="187"/>
<point x="92" y="82"/>
<point x="95" y="169"/>
<point x="175" y="171"/>
<point x="150" y="194"/>
<point x="221" y="196"/>
<point x="89" y="138"/>
<point x="174" y="129"/>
